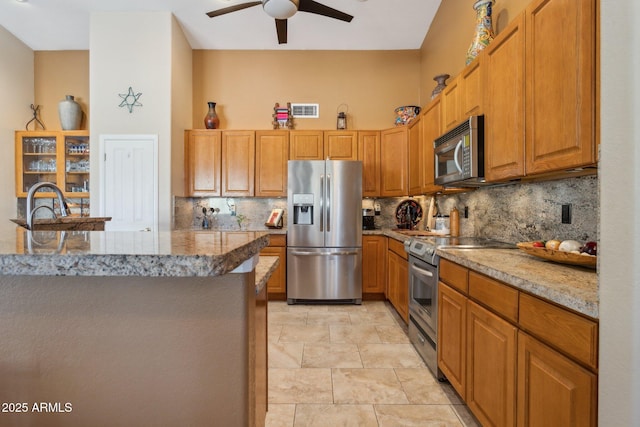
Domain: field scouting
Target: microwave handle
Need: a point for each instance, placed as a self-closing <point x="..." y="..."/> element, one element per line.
<point x="455" y="155"/>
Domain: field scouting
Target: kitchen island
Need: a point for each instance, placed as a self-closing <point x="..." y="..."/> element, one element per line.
<point x="130" y="328"/>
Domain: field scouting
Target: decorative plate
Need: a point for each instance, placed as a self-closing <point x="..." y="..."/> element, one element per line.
<point x="561" y="257"/>
<point x="406" y="209"/>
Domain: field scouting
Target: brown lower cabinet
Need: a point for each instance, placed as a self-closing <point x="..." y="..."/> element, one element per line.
<point x="398" y="278"/>
<point x="509" y="370"/>
<point x="374" y="264"/>
<point x="277" y="284"/>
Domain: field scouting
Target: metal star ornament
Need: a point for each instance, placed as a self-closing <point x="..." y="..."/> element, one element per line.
<point x="130" y="100"/>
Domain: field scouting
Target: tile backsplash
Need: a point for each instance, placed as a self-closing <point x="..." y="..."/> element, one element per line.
<point x="511" y="213"/>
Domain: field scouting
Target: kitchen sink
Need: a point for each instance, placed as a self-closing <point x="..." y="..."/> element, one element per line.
<point x="83" y="223"/>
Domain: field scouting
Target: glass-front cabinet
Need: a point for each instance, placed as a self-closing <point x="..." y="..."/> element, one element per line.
<point x="61" y="157"/>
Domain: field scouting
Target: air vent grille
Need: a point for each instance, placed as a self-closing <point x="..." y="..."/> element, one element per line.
<point x="305" y="111"/>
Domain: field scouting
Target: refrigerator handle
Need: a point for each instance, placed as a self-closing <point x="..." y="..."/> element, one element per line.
<point x="328" y="209"/>
<point x="321" y="203"/>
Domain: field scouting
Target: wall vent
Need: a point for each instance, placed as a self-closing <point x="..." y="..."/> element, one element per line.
<point x="305" y="111"/>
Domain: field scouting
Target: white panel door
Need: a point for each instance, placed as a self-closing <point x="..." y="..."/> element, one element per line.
<point x="129" y="182"/>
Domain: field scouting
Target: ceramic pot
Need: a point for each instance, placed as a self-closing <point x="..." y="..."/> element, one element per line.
<point x="484" y="28"/>
<point x="441" y="80"/>
<point x="211" y="120"/>
<point x="70" y="113"/>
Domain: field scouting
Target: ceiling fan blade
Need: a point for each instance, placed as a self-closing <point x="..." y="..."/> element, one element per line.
<point x="281" y="29"/>
<point x="312" y="6"/>
<point x="230" y="9"/>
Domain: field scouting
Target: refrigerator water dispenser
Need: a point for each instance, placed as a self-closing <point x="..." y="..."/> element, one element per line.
<point x="303" y="209"/>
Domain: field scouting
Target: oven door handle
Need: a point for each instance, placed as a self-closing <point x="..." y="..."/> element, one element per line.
<point x="421" y="271"/>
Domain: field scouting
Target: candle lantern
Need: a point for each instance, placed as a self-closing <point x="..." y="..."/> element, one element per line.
<point x="342" y="121"/>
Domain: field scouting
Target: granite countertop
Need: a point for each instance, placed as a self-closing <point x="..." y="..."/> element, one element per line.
<point x="264" y="269"/>
<point x="113" y="253"/>
<point x="572" y="287"/>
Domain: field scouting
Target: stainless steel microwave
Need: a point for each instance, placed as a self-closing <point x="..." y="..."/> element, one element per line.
<point x="459" y="154"/>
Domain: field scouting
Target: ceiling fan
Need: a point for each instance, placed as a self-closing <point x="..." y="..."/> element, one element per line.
<point x="281" y="10"/>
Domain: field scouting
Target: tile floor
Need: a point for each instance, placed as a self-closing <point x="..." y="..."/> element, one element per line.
<point x="349" y="365"/>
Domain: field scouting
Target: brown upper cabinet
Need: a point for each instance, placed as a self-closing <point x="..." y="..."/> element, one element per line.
<point x="560" y="91"/>
<point x="320" y="145"/>
<point x="369" y="154"/>
<point x="306" y="145"/>
<point x="451" y="106"/>
<point x="238" y="163"/>
<point x="471" y="89"/>
<point x="272" y="154"/>
<point x="548" y="124"/>
<point x="341" y="145"/>
<point x="414" y="159"/>
<point x="203" y="149"/>
<point x="394" y="161"/>
<point x="504" y="103"/>
<point x="219" y="163"/>
<point x="431" y="122"/>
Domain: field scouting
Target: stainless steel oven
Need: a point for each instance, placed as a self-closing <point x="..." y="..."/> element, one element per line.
<point x="423" y="310"/>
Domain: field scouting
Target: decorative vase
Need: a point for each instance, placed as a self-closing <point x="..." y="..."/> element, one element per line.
<point x="70" y="113"/>
<point x="484" y="28"/>
<point x="441" y="79"/>
<point x="211" y="120"/>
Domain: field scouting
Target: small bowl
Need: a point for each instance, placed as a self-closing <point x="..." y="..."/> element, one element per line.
<point x="405" y="114"/>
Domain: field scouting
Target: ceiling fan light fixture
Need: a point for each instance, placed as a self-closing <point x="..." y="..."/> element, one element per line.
<point x="280" y="9"/>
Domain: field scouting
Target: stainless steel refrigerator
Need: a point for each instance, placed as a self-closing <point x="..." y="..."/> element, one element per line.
<point x="324" y="231"/>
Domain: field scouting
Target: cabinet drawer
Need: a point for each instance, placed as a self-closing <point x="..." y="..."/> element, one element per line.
<point x="501" y="298"/>
<point x="397" y="247"/>
<point x="454" y="275"/>
<point x="573" y="334"/>
<point x="277" y="240"/>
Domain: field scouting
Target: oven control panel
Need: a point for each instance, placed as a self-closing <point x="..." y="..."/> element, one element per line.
<point x="420" y="248"/>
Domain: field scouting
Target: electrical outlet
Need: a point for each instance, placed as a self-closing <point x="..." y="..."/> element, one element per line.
<point x="566" y="214"/>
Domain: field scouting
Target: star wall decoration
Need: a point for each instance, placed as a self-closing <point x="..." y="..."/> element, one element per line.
<point x="130" y="99"/>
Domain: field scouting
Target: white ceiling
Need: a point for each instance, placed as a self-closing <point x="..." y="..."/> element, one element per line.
<point x="377" y="24"/>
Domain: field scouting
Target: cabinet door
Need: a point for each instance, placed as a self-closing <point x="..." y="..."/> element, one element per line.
<point x="374" y="272"/>
<point x="202" y="162"/>
<point x="398" y="284"/>
<point x="431" y="121"/>
<point x="504" y="103"/>
<point x="415" y="159"/>
<point x="341" y="145"/>
<point x="491" y="367"/>
<point x="452" y="333"/>
<point x="560" y="98"/>
<point x="451" y="107"/>
<point x="306" y="145"/>
<point x="238" y="163"/>
<point x="553" y="390"/>
<point x="471" y="85"/>
<point x="394" y="158"/>
<point x="369" y="154"/>
<point x="277" y="283"/>
<point x="272" y="153"/>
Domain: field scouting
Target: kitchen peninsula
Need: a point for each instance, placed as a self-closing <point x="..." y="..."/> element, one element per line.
<point x="122" y="328"/>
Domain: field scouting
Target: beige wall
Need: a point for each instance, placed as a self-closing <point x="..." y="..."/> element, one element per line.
<point x="445" y="47"/>
<point x="16" y="87"/>
<point x="246" y="85"/>
<point x="181" y="103"/>
<point x="57" y="74"/>
<point x="140" y="58"/>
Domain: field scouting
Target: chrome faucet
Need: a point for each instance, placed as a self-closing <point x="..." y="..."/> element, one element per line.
<point x="31" y="200"/>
